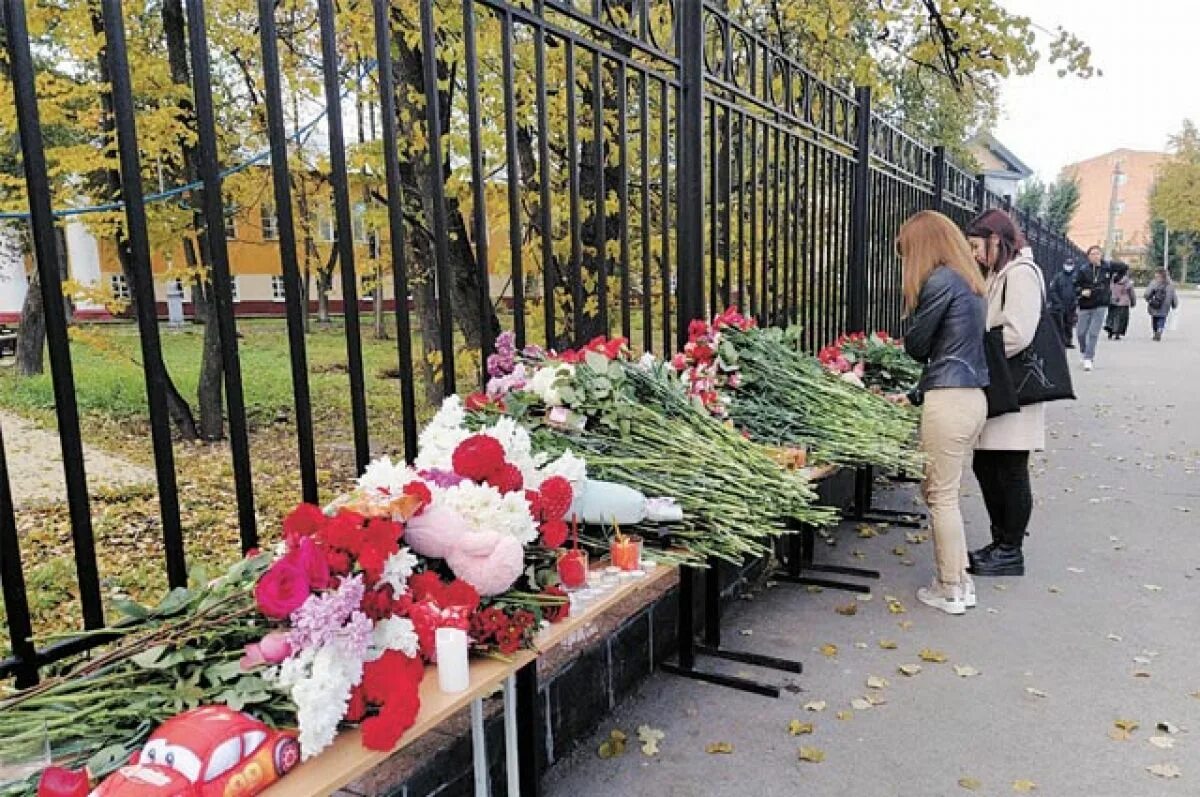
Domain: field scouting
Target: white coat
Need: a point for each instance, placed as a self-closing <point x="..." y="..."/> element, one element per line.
<point x="1021" y="311"/>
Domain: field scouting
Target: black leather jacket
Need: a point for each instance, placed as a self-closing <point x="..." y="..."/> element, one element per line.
<point x="946" y="334"/>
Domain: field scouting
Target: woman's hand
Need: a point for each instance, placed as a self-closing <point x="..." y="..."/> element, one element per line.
<point x="899" y="398"/>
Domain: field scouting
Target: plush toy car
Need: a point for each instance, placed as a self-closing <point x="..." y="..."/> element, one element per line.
<point x="212" y="751"/>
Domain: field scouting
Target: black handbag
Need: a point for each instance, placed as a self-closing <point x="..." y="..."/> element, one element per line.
<point x="1000" y="392"/>
<point x="1040" y="373"/>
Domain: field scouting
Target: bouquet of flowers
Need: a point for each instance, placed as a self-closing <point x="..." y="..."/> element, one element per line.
<point x="708" y="365"/>
<point x="876" y="361"/>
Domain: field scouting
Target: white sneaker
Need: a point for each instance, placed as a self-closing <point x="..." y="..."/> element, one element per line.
<point x="1087" y="365"/>
<point x="969" y="599"/>
<point x="949" y="598"/>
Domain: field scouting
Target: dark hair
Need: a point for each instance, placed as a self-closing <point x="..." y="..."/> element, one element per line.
<point x="1094" y="248"/>
<point x="997" y="222"/>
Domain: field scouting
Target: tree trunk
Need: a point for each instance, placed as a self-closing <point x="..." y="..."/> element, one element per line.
<point x="31" y="334"/>
<point x="179" y="409"/>
<point x="64" y="272"/>
<point x="420" y="175"/>
<point x="209" y="393"/>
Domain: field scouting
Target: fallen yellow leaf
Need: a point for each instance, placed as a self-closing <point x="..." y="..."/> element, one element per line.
<point x="1024" y="786"/>
<point x="887" y="644"/>
<point x="1118" y="735"/>
<point x="614" y="745"/>
<point x="829" y="649"/>
<point x="935" y="656"/>
<point x="1126" y="725"/>
<point x="970" y="784"/>
<point x="900" y="550"/>
<point x="845" y="715"/>
<point x="797" y="728"/>
<point x="866" y="532"/>
<point x="718" y="747"/>
<point x="848" y="610"/>
<point x="812" y="755"/>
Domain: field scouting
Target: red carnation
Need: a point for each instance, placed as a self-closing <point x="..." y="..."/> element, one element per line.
<point x="418" y="490"/>
<point x="342" y="531"/>
<point x="424" y="585"/>
<point x="556" y="495"/>
<point x="534" y="499"/>
<point x="303" y="521"/>
<point x="476" y="401"/>
<point x="478" y="457"/>
<point x="559" y="611"/>
<point x="339" y="562"/>
<point x="459" y="593"/>
<point x="508" y="479"/>
<point x="377" y="603"/>
<point x="358" y="705"/>
<point x="383" y="731"/>
<point x="554" y="533"/>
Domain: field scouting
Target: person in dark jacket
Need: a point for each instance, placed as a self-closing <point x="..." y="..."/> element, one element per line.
<point x="943" y="293"/>
<point x="1061" y="301"/>
<point x="1093" y="289"/>
<point x="1161" y="299"/>
<point x="1123" y="299"/>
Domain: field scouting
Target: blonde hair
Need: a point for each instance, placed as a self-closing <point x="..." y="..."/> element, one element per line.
<point x="928" y="240"/>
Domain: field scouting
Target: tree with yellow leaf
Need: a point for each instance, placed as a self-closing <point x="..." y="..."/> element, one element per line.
<point x="1175" y="198"/>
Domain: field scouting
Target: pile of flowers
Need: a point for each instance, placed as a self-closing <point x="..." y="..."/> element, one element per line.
<point x="708" y="364"/>
<point x="876" y="361"/>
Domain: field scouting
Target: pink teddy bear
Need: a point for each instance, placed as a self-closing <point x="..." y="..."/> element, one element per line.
<point x="488" y="561"/>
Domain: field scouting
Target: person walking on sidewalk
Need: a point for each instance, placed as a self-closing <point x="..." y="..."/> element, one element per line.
<point x="1001" y="462"/>
<point x="1124" y="299"/>
<point x="943" y="295"/>
<point x="1061" y="301"/>
<point x="1161" y="299"/>
<point x="1092" y="287"/>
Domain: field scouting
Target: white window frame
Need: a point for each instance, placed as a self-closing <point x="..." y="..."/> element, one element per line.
<point x="358" y="220"/>
<point x="278" y="290"/>
<point x="270" y="223"/>
<point x="119" y="287"/>
<point x="235" y="292"/>
<point x="326" y="228"/>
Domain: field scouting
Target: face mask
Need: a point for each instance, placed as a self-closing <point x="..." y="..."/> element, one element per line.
<point x="1069" y="268"/>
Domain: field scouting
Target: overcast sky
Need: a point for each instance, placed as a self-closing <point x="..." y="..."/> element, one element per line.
<point x="1150" y="53"/>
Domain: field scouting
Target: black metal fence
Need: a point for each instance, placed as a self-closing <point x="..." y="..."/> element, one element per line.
<point x="621" y="168"/>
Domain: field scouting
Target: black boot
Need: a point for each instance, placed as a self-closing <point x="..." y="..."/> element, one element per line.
<point x="980" y="553"/>
<point x="1002" y="560"/>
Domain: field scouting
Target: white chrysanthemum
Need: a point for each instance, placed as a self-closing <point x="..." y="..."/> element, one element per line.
<point x="393" y="633"/>
<point x="322" y="698"/>
<point x="443" y="434"/>
<point x="396" y="570"/>
<point x="570" y="467"/>
<point x="485" y="509"/>
<point x="385" y="477"/>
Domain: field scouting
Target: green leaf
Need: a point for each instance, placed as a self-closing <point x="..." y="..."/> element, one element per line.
<point x="151" y="659"/>
<point x="175" y="601"/>
<point x="225" y="671"/>
<point x="131" y="609"/>
<point x="108" y="758"/>
<point x="596" y="361"/>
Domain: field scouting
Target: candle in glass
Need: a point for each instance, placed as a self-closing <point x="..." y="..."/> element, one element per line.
<point x="626" y="551"/>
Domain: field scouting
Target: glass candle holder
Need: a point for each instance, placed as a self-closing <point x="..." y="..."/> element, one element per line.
<point x="626" y="552"/>
<point x="573" y="568"/>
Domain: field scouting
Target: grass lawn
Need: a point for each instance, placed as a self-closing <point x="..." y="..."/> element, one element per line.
<point x="110" y="391"/>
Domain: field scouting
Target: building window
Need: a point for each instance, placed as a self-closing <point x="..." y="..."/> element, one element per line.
<point x="1122" y="178"/>
<point x="119" y="287"/>
<point x="1120" y="206"/>
<point x="366" y="287"/>
<point x="278" y="293"/>
<point x="234" y="292"/>
<point x="373" y="245"/>
<point x="230" y="224"/>
<point x="270" y="223"/>
<point x="359" y="222"/>
<point x="326" y="228"/>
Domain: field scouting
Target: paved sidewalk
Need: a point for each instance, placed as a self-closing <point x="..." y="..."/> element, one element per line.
<point x="35" y="470"/>
<point x="1105" y="626"/>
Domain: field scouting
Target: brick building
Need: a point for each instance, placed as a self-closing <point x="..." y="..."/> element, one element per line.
<point x="1134" y="173"/>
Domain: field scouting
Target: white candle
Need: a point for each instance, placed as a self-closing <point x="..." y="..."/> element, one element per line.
<point x="454" y="671"/>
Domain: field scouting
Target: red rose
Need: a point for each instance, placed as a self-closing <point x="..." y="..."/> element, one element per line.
<point x="420" y="491"/>
<point x="554" y="533"/>
<point x="303" y="521"/>
<point x="478" y="457"/>
<point x="556" y="497"/>
<point x="281" y="590"/>
<point x="508" y="479"/>
<point x="308" y="557"/>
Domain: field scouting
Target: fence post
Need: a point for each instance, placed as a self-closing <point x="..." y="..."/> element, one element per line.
<point x="690" y="201"/>
<point x="980" y="193"/>
<point x="939" y="177"/>
<point x="856" y="283"/>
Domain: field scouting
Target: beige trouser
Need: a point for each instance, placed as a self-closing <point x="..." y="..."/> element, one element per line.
<point x="951" y="421"/>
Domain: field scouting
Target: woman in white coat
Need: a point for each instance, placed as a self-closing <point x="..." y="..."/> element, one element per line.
<point x="1015" y="293"/>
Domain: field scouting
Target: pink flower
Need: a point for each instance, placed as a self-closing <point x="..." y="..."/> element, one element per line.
<point x="281" y="590"/>
<point x="309" y="558"/>
<point x="271" y="649"/>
